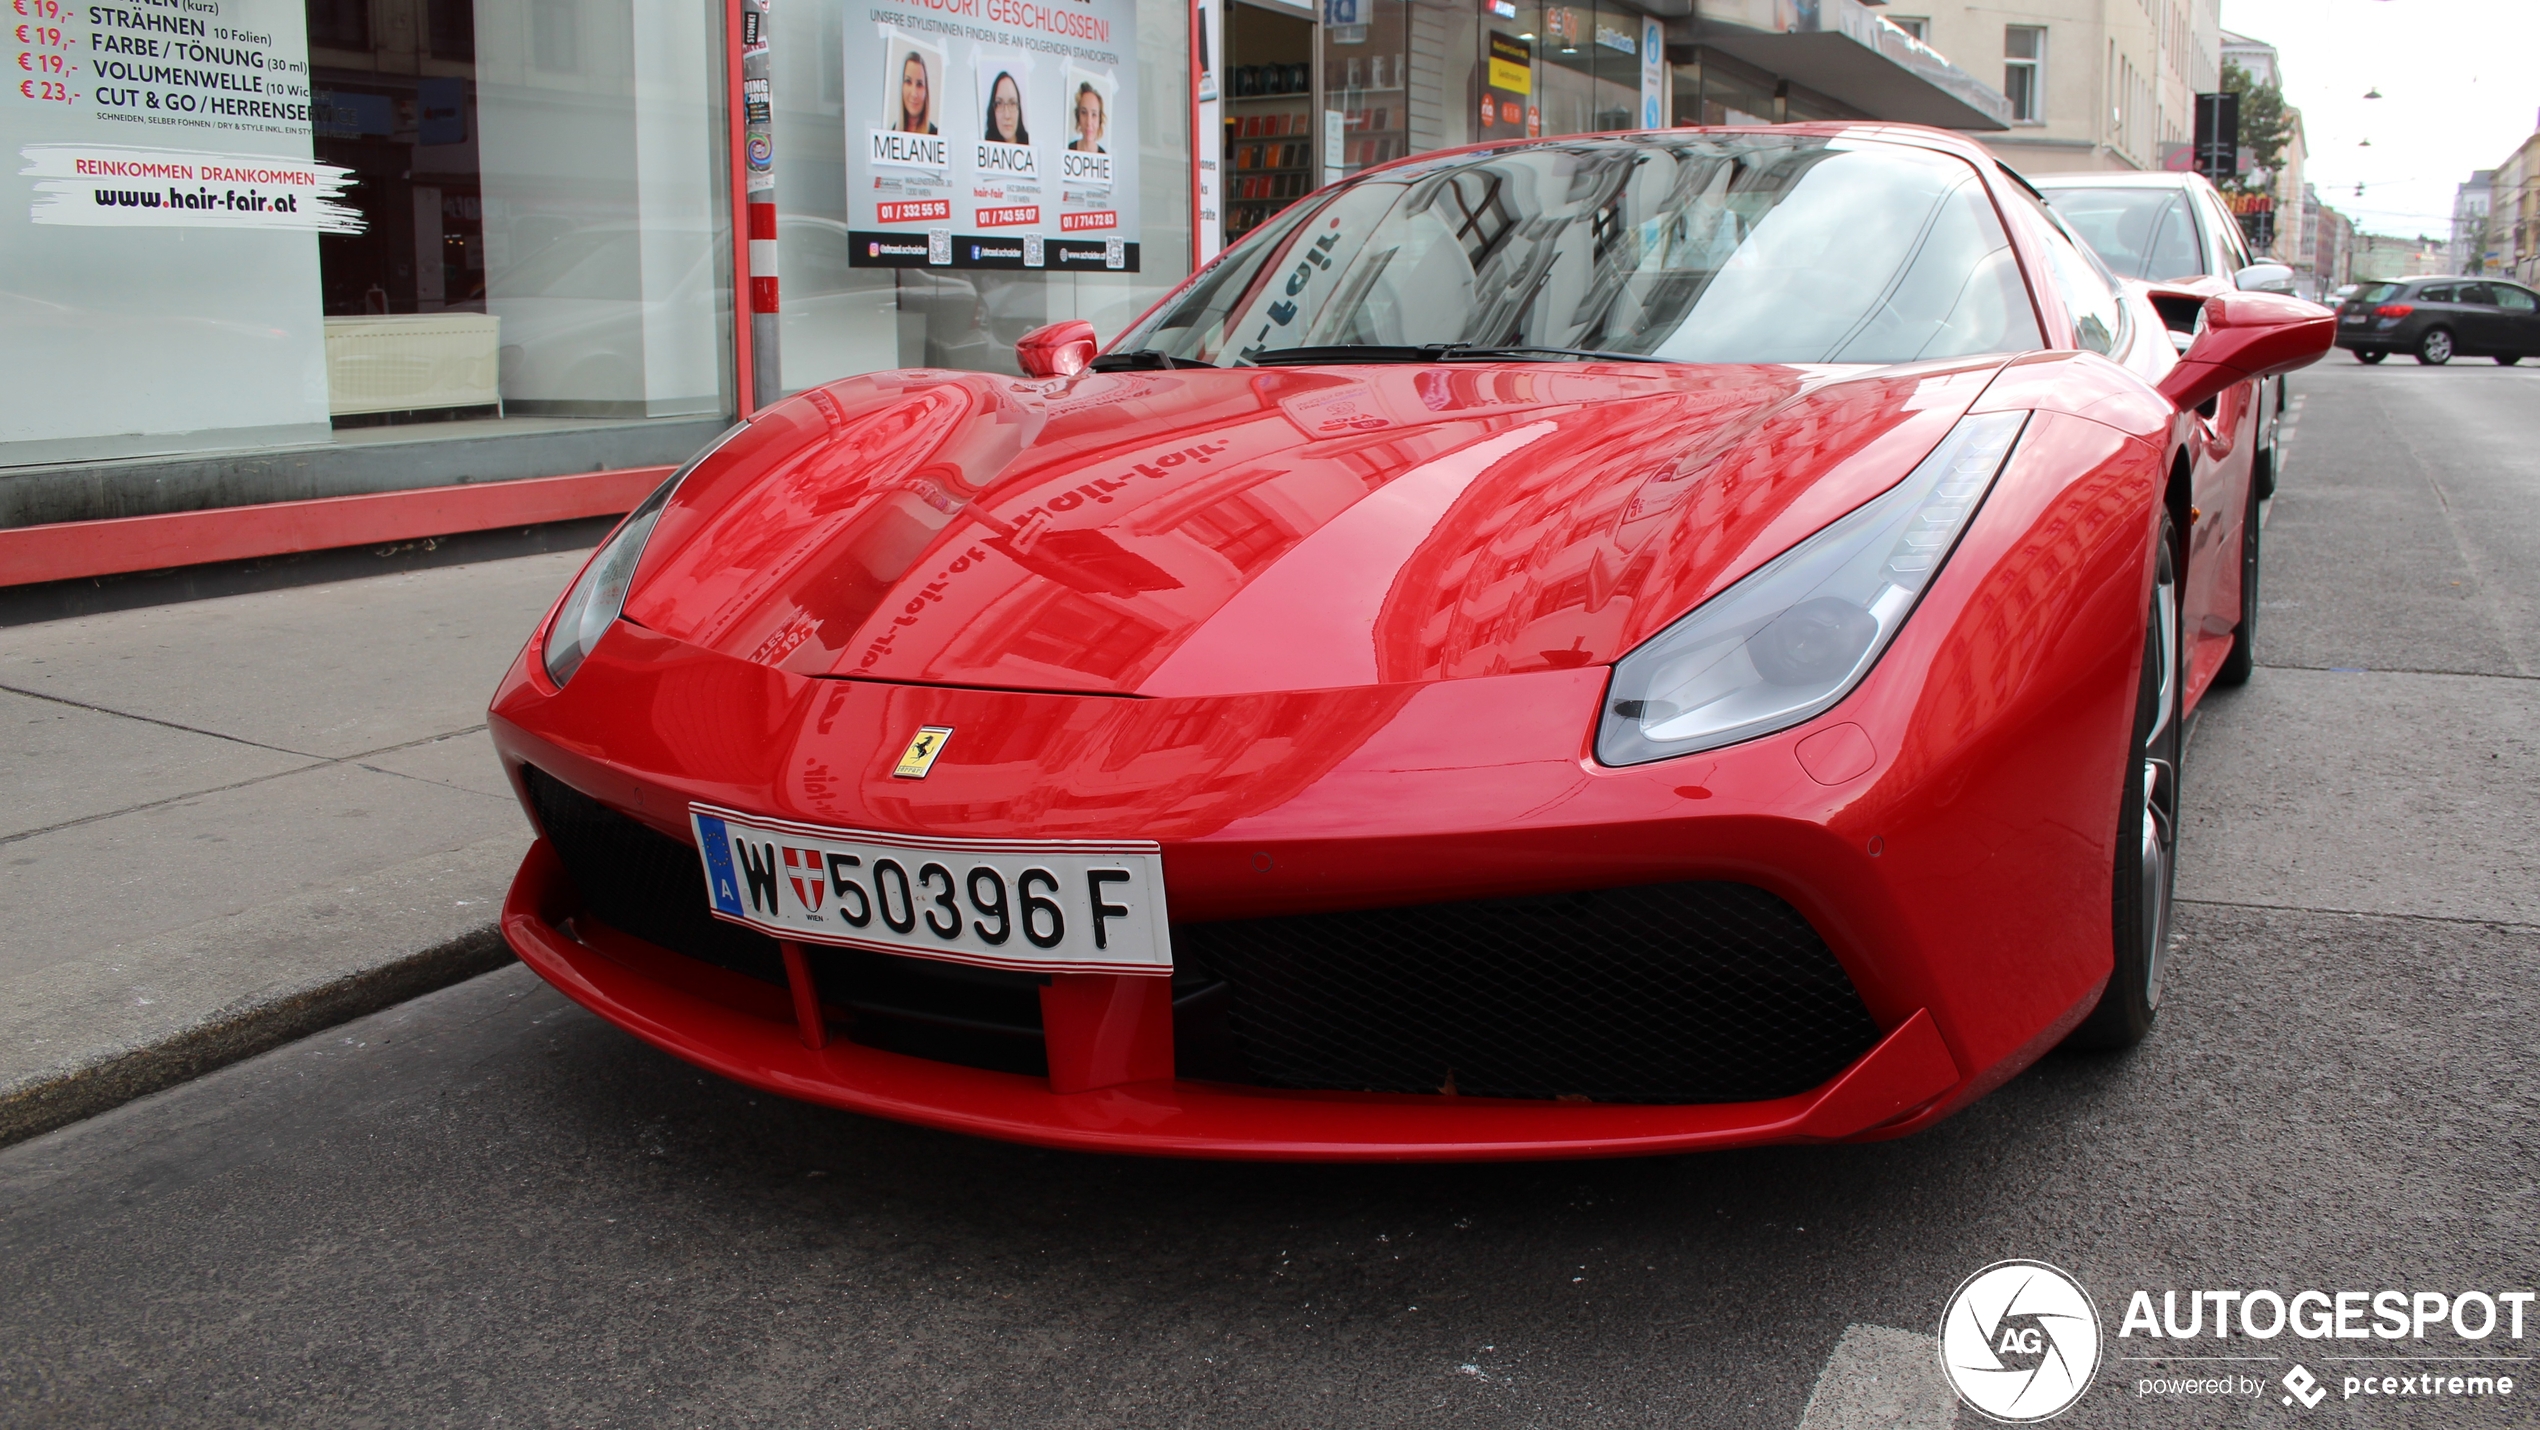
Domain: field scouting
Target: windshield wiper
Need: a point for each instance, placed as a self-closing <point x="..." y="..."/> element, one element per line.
<point x="1430" y="352"/>
<point x="1143" y="360"/>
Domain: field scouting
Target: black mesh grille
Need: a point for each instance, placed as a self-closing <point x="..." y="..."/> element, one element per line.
<point x="1670" y="993"/>
<point x="644" y="883"/>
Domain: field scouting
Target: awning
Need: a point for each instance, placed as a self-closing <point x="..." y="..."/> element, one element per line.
<point x="1844" y="51"/>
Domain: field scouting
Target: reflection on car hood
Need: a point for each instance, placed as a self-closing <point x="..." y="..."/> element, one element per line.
<point x="1226" y="531"/>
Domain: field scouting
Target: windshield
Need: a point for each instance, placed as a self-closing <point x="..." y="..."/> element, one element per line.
<point x="2141" y="233"/>
<point x="2375" y="292"/>
<point x="1693" y="248"/>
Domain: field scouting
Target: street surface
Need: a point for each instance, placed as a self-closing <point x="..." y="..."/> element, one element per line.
<point x="486" y="1207"/>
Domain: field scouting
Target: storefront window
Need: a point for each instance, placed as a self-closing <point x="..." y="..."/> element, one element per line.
<point x="1719" y="90"/>
<point x="294" y="222"/>
<point x="1590" y="70"/>
<point x="943" y="190"/>
<point x="1366" y="83"/>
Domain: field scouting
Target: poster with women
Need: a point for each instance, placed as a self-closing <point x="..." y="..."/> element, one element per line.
<point x="1001" y="136"/>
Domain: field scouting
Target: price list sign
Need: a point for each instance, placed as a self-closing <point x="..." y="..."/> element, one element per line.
<point x="163" y="119"/>
<point x="44" y="51"/>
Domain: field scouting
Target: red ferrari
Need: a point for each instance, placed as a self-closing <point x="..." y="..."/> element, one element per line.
<point x="1595" y="646"/>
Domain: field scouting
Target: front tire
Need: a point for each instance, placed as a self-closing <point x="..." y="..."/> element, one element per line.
<point x="2147" y="830"/>
<point x="2369" y="355"/>
<point x="2435" y="348"/>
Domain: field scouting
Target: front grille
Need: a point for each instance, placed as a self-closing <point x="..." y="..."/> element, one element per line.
<point x="644" y="883"/>
<point x="1669" y="993"/>
<point x="652" y="886"/>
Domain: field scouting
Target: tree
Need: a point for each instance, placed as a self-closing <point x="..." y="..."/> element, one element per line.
<point x="2265" y="126"/>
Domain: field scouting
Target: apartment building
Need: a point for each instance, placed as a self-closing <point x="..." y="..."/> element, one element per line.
<point x="2513" y="216"/>
<point x="2093" y="84"/>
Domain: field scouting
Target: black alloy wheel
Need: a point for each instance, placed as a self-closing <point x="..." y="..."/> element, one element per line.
<point x="2369" y="355"/>
<point x="2435" y="348"/>
<point x="2243" y="660"/>
<point x="2507" y="359"/>
<point x="2147" y="830"/>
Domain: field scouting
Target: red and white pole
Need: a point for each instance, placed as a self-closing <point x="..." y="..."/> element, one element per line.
<point x="758" y="154"/>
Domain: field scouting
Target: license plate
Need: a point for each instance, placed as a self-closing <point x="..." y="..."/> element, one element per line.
<point x="1041" y="905"/>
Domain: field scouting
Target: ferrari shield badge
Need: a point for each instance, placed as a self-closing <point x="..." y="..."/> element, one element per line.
<point x="920" y="755"/>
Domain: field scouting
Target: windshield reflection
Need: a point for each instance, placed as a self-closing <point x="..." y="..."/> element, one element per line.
<point x="1735" y="248"/>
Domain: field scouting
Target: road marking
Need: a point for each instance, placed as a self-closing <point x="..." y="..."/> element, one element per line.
<point x="1880" y="1378"/>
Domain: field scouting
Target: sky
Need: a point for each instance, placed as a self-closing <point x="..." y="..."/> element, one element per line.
<point x="2460" y="88"/>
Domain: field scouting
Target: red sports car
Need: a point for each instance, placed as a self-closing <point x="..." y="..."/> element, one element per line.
<point x="1594" y="646"/>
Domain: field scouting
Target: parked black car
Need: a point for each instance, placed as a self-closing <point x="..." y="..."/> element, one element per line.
<point x="2439" y="319"/>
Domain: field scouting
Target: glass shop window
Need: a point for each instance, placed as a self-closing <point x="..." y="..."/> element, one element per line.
<point x="450" y="218"/>
<point x="1056" y="185"/>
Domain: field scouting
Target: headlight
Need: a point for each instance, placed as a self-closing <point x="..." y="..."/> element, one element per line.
<point x="600" y="594"/>
<point x="1794" y="637"/>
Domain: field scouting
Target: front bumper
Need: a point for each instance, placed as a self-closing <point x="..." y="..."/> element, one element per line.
<point x="746" y="1031"/>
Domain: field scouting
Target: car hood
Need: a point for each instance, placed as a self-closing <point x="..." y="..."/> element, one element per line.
<point x="1210" y="532"/>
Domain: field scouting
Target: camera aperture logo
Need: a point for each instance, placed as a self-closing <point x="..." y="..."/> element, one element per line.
<point x="2019" y="1341"/>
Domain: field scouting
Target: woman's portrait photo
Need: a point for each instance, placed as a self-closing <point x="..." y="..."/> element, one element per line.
<point x="1005" y="111"/>
<point x="917" y="94"/>
<point x="1093" y="119"/>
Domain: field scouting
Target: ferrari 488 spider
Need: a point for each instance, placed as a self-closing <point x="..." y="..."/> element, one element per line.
<point x="1593" y="646"/>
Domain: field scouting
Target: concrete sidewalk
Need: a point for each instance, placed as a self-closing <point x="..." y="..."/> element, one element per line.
<point x="228" y="823"/>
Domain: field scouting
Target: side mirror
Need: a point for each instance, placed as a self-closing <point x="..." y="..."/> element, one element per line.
<point x="2264" y="278"/>
<point x="2248" y="336"/>
<point x="1059" y="350"/>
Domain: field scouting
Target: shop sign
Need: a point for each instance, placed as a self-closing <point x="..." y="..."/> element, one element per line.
<point x="1654" y="90"/>
<point x="1506" y="98"/>
<point x="1003" y="136"/>
<point x="1208" y="119"/>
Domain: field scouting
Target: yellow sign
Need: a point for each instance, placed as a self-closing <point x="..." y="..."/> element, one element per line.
<point x="1512" y="65"/>
<point x="921" y="752"/>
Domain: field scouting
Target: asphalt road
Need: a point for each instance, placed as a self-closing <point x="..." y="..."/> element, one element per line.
<point x="486" y="1207"/>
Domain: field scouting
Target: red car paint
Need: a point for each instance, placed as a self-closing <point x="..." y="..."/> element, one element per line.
<point x="1336" y="638"/>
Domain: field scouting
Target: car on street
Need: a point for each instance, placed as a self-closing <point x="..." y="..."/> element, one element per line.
<point x="2174" y="230"/>
<point x="2436" y="320"/>
<point x="1576" y="647"/>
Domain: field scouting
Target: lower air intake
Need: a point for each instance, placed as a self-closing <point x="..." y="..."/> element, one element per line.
<point x="1669" y="993"/>
<point x="642" y="882"/>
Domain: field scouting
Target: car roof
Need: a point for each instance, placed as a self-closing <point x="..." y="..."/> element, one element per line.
<point x="2116" y="179"/>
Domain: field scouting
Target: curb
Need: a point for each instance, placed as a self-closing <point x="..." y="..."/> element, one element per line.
<point x="240" y="1031"/>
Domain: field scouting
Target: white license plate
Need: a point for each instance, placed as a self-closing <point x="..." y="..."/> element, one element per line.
<point x="1043" y="905"/>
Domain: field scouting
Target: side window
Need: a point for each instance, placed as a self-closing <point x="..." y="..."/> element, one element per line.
<point x="2089" y="293"/>
<point x="2437" y="293"/>
<point x="2514" y="300"/>
<point x="2230" y="252"/>
<point x="2478" y="293"/>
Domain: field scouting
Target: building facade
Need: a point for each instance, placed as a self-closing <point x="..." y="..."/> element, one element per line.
<point x="2093" y="84"/>
<point x="2469" y="248"/>
<point x="2513" y="215"/>
<point x="314" y="248"/>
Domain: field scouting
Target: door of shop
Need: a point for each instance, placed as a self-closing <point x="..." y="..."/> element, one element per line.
<point x="1272" y="97"/>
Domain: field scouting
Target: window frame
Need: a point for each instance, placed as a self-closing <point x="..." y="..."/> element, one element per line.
<point x="2034" y="65"/>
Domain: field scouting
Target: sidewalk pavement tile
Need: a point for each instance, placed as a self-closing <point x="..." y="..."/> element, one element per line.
<point x="322" y="670"/>
<point x="64" y="763"/>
